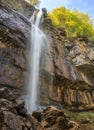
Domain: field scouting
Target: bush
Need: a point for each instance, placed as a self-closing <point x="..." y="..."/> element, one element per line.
<point x="75" y="23"/>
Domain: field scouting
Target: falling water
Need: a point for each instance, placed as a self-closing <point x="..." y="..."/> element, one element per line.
<point x="38" y="39"/>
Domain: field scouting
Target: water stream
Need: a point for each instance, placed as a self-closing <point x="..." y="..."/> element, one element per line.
<point x="38" y="39"/>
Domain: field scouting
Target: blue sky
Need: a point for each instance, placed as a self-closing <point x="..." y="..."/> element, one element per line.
<point x="86" y="6"/>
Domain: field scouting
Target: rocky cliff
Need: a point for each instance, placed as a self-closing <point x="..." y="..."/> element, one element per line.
<point x="67" y="73"/>
<point x="14" y="37"/>
<point x="72" y="69"/>
<point x="66" y="77"/>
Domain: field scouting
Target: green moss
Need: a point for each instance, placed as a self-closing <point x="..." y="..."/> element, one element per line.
<point x="84" y="119"/>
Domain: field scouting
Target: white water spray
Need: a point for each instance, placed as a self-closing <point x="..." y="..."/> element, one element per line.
<point x="38" y="39"/>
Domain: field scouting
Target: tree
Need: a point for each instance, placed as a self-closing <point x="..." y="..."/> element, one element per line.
<point x="75" y="23"/>
<point x="34" y="2"/>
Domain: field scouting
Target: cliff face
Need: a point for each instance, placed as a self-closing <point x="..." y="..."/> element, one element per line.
<point x="20" y="5"/>
<point x="14" y="38"/>
<point x="67" y="73"/>
<point x="72" y="70"/>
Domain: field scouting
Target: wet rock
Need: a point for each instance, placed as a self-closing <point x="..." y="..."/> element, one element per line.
<point x="37" y="115"/>
<point x="20" y="108"/>
<point x="44" y="12"/>
<point x="6" y="93"/>
<point x="53" y="118"/>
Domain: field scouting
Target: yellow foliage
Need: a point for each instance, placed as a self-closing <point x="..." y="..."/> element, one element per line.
<point x="75" y="23"/>
<point x="34" y="2"/>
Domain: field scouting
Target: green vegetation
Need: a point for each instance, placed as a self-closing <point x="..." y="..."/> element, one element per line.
<point x="34" y="2"/>
<point x="76" y="24"/>
<point x="80" y="116"/>
<point x="85" y="118"/>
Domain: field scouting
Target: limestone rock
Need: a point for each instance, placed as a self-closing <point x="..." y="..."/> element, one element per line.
<point x="14" y="37"/>
<point x="52" y="118"/>
<point x="69" y="78"/>
<point x="12" y="121"/>
<point x="37" y="115"/>
<point x="5" y="93"/>
<point x="22" y="6"/>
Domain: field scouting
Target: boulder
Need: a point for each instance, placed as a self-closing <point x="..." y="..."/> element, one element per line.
<point x="20" y="108"/>
<point x="37" y="115"/>
<point x="6" y="93"/>
<point x="53" y="118"/>
<point x="10" y="121"/>
<point x="7" y="105"/>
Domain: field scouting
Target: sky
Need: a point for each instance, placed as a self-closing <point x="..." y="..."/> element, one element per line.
<point x="86" y="6"/>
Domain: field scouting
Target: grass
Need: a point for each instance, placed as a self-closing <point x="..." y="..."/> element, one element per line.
<point x="85" y="118"/>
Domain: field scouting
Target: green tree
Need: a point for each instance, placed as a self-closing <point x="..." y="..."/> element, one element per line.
<point x="34" y="2"/>
<point x="75" y="23"/>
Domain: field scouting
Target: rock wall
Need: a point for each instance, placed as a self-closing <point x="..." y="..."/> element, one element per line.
<point x="72" y="69"/>
<point x="67" y="69"/>
<point x="61" y="80"/>
<point x="20" y="5"/>
<point x="14" y="39"/>
<point x="14" y="116"/>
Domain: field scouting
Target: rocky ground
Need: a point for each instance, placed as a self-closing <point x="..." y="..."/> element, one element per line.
<point x="14" y="116"/>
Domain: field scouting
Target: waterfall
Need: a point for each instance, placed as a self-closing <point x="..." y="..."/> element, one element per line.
<point x="38" y="39"/>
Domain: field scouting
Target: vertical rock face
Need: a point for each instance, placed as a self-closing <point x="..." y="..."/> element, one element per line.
<point x="72" y="71"/>
<point x="64" y="78"/>
<point x="20" y="5"/>
<point x="67" y="72"/>
<point x="14" y="38"/>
